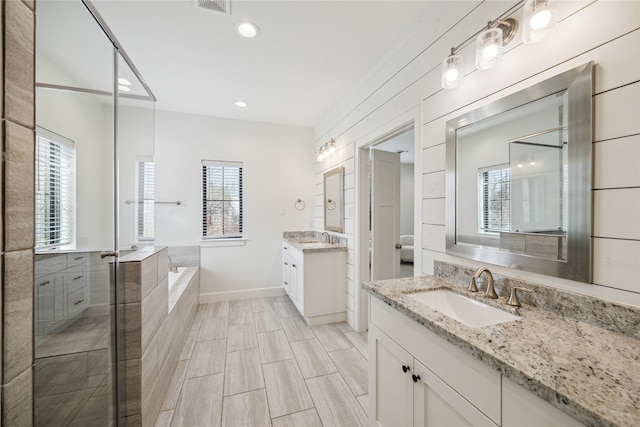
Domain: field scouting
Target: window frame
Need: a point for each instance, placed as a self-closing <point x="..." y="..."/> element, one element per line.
<point x="483" y="202"/>
<point x="141" y="186"/>
<point x="207" y="167"/>
<point x="66" y="188"/>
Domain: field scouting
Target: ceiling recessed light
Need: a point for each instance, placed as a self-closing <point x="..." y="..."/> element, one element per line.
<point x="124" y="88"/>
<point x="247" y="29"/>
<point x="123" y="81"/>
<point x="241" y="104"/>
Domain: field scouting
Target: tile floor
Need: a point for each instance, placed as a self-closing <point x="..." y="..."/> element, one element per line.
<point x="254" y="362"/>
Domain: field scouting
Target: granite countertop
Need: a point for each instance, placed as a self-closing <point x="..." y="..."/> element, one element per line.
<point x="316" y="246"/>
<point x="588" y="372"/>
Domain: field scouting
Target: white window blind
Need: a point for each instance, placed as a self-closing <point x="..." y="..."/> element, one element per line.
<point x="145" y="200"/>
<point x="55" y="189"/>
<point x="494" y="196"/>
<point x="221" y="199"/>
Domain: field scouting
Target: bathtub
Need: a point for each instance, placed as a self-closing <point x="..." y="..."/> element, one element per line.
<point x="177" y="283"/>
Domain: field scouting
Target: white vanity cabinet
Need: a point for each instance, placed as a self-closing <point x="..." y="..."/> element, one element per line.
<point x="522" y="408"/>
<point x="442" y="386"/>
<point x="61" y="290"/>
<point x="416" y="378"/>
<point x="316" y="282"/>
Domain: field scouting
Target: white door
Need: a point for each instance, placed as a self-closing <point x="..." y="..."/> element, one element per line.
<point x="385" y="215"/>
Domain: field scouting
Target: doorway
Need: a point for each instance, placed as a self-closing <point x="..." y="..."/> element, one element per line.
<point x="391" y="205"/>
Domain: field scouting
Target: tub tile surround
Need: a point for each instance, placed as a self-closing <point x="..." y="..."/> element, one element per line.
<point x="17" y="113"/>
<point x="152" y="336"/>
<point x="585" y="370"/>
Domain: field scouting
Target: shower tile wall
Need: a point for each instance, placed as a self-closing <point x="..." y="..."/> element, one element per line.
<point x="17" y="31"/>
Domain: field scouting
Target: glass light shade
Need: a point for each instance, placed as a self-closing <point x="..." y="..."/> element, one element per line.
<point x="332" y="146"/>
<point x="540" y="18"/>
<point x="488" y="48"/>
<point x="452" y="71"/>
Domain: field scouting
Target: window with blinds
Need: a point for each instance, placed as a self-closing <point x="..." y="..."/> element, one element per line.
<point x="55" y="189"/>
<point x="145" y="199"/>
<point x="494" y="194"/>
<point x="221" y="199"/>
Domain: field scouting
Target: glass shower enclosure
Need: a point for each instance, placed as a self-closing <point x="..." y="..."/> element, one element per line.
<point x="88" y="98"/>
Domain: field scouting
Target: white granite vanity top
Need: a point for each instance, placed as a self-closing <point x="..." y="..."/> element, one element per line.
<point x="588" y="372"/>
<point x="312" y="241"/>
<point x="316" y="246"/>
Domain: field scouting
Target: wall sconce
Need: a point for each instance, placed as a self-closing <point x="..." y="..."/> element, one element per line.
<point x="539" y="19"/>
<point x="452" y="71"/>
<point x="326" y="150"/>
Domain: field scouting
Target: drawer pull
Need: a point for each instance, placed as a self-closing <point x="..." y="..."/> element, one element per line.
<point x="293" y="265"/>
<point x="405" y="368"/>
<point x="78" y="258"/>
<point x="285" y="247"/>
<point x="286" y="283"/>
<point x="415" y="378"/>
<point x="78" y="302"/>
<point x="78" y="277"/>
<point x="45" y="283"/>
<point x="286" y="263"/>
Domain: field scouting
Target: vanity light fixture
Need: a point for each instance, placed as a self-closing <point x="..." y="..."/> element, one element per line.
<point x="452" y="70"/>
<point x="488" y="48"/>
<point x="539" y="19"/>
<point x="247" y="29"/>
<point x="240" y="104"/>
<point x="326" y="150"/>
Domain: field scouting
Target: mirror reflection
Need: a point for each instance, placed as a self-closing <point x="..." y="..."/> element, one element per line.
<point x="512" y="179"/>
<point x="333" y="206"/>
<point x="519" y="171"/>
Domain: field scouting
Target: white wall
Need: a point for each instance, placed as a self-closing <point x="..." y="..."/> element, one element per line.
<point x="410" y="77"/>
<point x="407" y="198"/>
<point x="87" y="120"/>
<point x="278" y="169"/>
<point x="135" y="138"/>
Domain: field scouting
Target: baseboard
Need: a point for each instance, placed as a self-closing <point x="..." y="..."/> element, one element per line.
<point x="246" y="293"/>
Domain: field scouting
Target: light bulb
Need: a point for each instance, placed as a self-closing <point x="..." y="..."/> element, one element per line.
<point x="247" y="29"/>
<point x="540" y="19"/>
<point x="452" y="67"/>
<point x="332" y="147"/>
<point x="488" y="48"/>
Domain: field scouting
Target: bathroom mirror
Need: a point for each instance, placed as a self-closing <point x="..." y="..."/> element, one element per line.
<point x="518" y="179"/>
<point x="333" y="206"/>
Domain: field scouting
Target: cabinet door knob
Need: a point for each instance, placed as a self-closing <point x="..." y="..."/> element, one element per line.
<point x="415" y="378"/>
<point x="405" y="368"/>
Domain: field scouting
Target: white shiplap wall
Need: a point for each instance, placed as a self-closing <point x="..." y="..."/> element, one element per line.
<point x="606" y="32"/>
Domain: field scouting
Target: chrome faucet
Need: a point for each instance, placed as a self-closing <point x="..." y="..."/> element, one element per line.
<point x="490" y="292"/>
<point x="325" y="237"/>
<point x="172" y="268"/>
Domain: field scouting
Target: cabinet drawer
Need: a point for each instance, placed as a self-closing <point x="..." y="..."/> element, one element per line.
<point x="79" y="258"/>
<point x="75" y="280"/>
<point x="49" y="264"/>
<point x="285" y="248"/>
<point x="76" y="302"/>
<point x="475" y="381"/>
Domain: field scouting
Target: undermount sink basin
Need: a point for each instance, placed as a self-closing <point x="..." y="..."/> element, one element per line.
<point x="468" y="311"/>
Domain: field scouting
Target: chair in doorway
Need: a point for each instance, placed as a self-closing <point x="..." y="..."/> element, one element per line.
<point x="406" y="253"/>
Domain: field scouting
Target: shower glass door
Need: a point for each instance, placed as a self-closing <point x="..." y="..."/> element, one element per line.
<point x="80" y="104"/>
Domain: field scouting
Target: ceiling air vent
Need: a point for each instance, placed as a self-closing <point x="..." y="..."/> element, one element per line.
<point x="220" y="6"/>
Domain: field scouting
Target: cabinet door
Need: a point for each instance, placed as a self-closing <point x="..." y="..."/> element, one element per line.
<point x="522" y="408"/>
<point x="45" y="299"/>
<point x="390" y="384"/>
<point x="436" y="404"/>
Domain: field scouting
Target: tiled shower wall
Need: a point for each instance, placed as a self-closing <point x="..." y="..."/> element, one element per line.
<point x="17" y="30"/>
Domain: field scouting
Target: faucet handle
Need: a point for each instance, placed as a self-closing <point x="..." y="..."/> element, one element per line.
<point x="513" y="296"/>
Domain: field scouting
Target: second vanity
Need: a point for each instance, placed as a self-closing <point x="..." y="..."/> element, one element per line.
<point x="544" y="369"/>
<point x="314" y="275"/>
